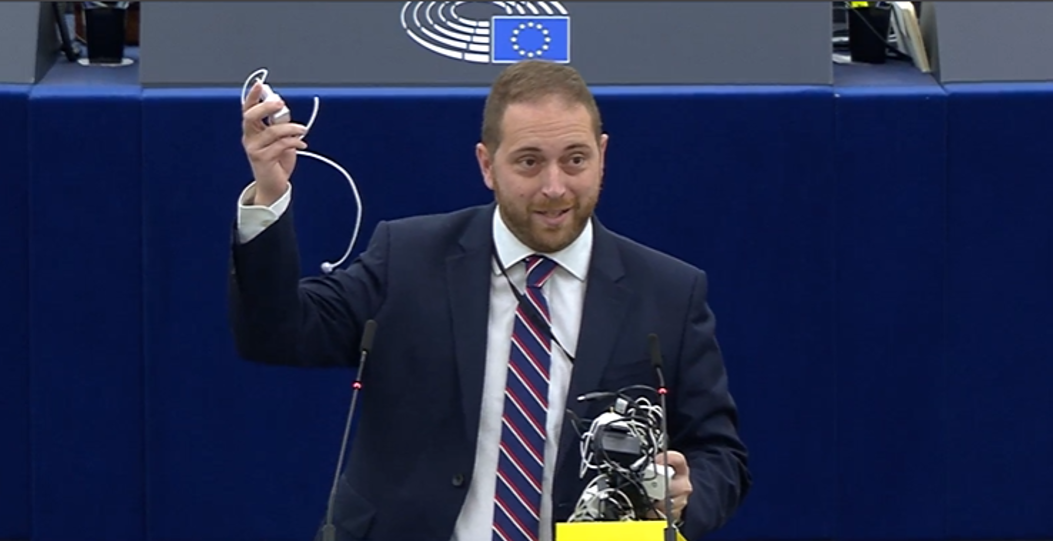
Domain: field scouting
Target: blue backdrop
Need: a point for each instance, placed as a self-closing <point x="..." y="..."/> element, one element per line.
<point x="999" y="292"/>
<point x="880" y="256"/>
<point x="14" y="307"/>
<point x="888" y="236"/>
<point x="85" y="315"/>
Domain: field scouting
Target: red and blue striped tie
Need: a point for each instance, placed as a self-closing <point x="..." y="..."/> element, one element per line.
<point x="517" y="500"/>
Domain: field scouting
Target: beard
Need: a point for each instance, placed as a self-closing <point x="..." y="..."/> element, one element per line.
<point x="530" y="228"/>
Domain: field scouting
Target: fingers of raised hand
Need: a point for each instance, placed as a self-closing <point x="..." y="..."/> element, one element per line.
<point x="253" y="97"/>
<point x="252" y="118"/>
<point x="269" y="144"/>
<point x="273" y="134"/>
<point x="277" y="150"/>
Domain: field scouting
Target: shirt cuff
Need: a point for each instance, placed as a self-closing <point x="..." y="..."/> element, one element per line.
<point x="254" y="219"/>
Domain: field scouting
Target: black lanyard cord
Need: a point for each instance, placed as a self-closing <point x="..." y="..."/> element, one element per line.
<point x="529" y="309"/>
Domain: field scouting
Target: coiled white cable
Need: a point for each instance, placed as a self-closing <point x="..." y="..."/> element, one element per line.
<point x="640" y="418"/>
<point x="593" y="499"/>
<point x="260" y="75"/>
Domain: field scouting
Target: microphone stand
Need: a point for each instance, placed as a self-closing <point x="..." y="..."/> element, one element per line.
<point x="329" y="530"/>
<point x="656" y="361"/>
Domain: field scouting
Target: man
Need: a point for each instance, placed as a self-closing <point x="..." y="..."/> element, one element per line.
<point x="461" y="434"/>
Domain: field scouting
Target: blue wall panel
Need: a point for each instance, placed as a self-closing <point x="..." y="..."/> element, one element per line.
<point x="999" y="413"/>
<point x="890" y="243"/>
<point x="86" y="313"/>
<point x="14" y="302"/>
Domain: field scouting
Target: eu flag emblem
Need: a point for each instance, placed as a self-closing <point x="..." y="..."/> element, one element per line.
<point x="515" y="38"/>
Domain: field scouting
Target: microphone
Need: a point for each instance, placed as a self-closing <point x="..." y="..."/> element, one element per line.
<point x="656" y="361"/>
<point x="596" y="395"/>
<point x="328" y="529"/>
<point x="620" y="393"/>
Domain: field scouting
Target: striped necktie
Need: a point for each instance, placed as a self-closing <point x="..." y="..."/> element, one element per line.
<point x="517" y="500"/>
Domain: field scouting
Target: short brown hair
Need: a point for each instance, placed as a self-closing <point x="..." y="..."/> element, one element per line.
<point x="530" y="81"/>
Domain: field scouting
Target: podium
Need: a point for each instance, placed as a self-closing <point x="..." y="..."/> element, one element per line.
<point x="641" y="530"/>
<point x="973" y="42"/>
<point x="440" y="43"/>
<point x="28" y="41"/>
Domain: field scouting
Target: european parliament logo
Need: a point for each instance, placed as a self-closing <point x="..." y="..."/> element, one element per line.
<point x="490" y="32"/>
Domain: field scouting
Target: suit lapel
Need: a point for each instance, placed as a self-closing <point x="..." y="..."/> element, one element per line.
<point x="468" y="281"/>
<point x="606" y="304"/>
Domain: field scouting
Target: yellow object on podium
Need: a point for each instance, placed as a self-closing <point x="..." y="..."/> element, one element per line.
<point x="630" y="530"/>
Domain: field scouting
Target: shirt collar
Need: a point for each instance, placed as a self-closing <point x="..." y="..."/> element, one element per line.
<point x="510" y="250"/>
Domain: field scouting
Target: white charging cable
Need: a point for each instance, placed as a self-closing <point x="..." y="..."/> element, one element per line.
<point x="268" y="94"/>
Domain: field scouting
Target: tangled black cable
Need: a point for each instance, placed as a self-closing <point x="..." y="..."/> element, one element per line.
<point x="619" y="445"/>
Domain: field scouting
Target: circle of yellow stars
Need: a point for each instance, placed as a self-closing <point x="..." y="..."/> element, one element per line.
<point x="536" y="52"/>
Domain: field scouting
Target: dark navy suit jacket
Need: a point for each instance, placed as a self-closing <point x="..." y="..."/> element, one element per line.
<point x="426" y="281"/>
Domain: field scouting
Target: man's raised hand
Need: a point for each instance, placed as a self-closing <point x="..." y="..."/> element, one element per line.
<point x="271" y="150"/>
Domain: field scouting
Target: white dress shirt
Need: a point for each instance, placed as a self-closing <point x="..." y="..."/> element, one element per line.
<point x="565" y="293"/>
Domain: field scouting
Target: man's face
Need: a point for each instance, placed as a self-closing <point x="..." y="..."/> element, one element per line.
<point x="546" y="173"/>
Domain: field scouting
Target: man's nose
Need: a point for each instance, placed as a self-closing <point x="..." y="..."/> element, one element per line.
<point x="555" y="184"/>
